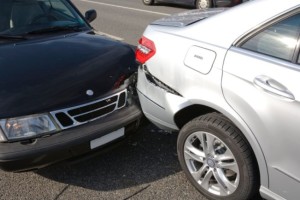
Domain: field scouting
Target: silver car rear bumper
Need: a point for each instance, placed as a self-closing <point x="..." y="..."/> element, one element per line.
<point x="159" y="102"/>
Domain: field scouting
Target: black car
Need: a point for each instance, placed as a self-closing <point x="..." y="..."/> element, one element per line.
<point x="200" y="4"/>
<point x="64" y="90"/>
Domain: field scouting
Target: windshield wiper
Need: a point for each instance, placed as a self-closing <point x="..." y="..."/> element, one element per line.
<point x="56" y="29"/>
<point x="12" y="37"/>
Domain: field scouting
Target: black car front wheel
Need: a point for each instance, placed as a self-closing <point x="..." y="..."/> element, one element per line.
<point x="203" y="4"/>
<point x="217" y="159"/>
<point x="148" y="2"/>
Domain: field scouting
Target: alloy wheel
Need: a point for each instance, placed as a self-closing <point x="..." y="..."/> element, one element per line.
<point x="211" y="163"/>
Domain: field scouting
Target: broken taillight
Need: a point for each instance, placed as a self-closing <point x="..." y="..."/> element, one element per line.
<point x="119" y="82"/>
<point x="145" y="50"/>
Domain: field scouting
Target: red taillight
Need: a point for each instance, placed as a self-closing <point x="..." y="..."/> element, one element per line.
<point x="145" y="50"/>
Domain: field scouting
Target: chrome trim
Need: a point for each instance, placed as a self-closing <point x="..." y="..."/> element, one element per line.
<point x="268" y="194"/>
<point x="266" y="58"/>
<point x="76" y="123"/>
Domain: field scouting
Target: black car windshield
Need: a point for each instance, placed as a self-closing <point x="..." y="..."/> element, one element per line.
<point x="21" y="17"/>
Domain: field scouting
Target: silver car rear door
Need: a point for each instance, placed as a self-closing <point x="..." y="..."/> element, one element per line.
<point x="261" y="79"/>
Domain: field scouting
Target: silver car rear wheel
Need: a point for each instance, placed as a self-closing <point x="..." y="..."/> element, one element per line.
<point x="217" y="159"/>
<point x="211" y="163"/>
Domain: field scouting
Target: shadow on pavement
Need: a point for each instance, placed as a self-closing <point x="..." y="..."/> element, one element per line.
<point x="144" y="158"/>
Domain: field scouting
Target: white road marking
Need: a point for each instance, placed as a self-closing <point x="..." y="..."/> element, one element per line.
<point x="128" y="8"/>
<point x="110" y="36"/>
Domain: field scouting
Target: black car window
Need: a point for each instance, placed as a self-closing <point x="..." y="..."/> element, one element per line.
<point x="59" y="7"/>
<point x="278" y="40"/>
<point x="18" y="17"/>
<point x="5" y="12"/>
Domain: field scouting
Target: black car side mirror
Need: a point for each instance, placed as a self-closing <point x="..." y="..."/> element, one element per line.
<point x="90" y="15"/>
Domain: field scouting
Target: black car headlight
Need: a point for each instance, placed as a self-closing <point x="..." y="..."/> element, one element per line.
<point x="26" y="127"/>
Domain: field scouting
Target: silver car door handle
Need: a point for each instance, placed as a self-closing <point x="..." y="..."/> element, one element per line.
<point x="273" y="87"/>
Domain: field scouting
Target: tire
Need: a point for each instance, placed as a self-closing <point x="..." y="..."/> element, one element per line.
<point x="203" y="4"/>
<point x="148" y="2"/>
<point x="227" y="168"/>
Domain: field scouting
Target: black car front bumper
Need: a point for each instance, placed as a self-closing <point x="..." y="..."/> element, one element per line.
<point x="21" y="156"/>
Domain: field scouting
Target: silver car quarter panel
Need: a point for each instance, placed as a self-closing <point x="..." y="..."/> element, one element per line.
<point x="158" y="105"/>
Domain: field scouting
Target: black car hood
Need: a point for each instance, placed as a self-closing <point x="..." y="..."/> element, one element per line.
<point x="43" y="75"/>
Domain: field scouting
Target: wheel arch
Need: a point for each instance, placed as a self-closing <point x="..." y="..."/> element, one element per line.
<point x="190" y="112"/>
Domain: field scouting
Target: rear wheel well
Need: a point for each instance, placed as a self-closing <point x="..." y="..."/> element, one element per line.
<point x="187" y="114"/>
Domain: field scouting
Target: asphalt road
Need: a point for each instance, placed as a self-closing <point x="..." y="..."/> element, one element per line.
<point x="144" y="167"/>
<point x="126" y="19"/>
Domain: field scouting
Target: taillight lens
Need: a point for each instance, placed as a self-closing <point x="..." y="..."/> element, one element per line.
<point x="145" y="50"/>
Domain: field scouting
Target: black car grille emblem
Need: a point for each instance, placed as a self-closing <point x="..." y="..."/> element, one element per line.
<point x="90" y="92"/>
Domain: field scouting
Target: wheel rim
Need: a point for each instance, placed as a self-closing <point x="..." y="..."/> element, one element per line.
<point x="147" y="1"/>
<point x="211" y="163"/>
<point x="203" y="4"/>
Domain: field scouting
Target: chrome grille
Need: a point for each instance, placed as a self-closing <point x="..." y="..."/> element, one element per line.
<point x="77" y="115"/>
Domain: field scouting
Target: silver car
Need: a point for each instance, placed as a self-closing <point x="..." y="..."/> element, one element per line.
<point x="229" y="81"/>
